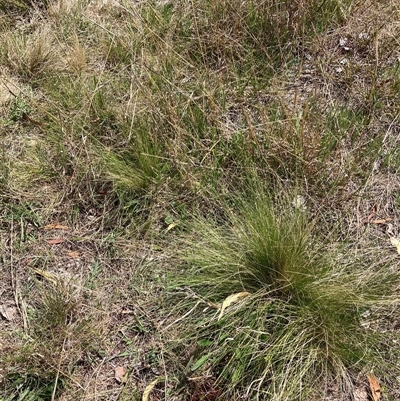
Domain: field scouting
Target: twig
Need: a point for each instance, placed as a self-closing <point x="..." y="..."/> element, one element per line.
<point x="19" y="303"/>
<point x="53" y="395"/>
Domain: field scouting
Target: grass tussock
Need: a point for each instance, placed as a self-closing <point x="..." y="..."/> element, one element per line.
<point x="302" y="325"/>
<point x="57" y="335"/>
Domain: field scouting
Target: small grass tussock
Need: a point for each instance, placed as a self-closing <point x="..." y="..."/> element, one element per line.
<point x="57" y="336"/>
<point x="138" y="165"/>
<point x="30" y="56"/>
<point x="302" y="325"/>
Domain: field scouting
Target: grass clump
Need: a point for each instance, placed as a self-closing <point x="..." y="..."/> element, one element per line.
<point x="299" y="324"/>
<point x="30" y="56"/>
<point x="55" y="339"/>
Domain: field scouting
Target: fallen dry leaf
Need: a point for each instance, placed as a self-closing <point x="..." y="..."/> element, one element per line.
<point x="395" y="242"/>
<point x="171" y="226"/>
<point x="119" y="374"/>
<point x="54" y="241"/>
<point x="9" y="312"/>
<point x="150" y="387"/>
<point x="55" y="226"/>
<point x="374" y="387"/>
<point x="45" y="274"/>
<point x="389" y="229"/>
<point x="300" y="203"/>
<point x="381" y="221"/>
<point x="73" y="254"/>
<point x="230" y="300"/>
